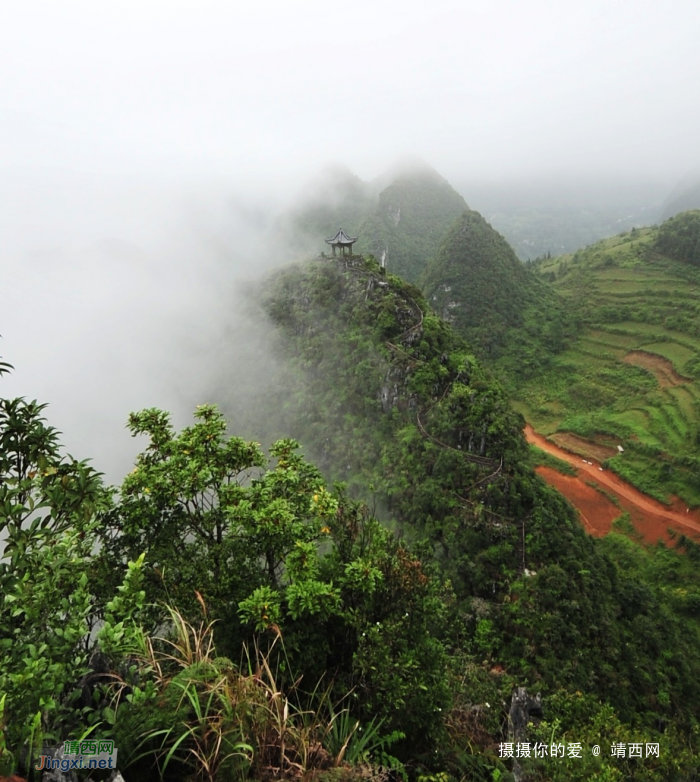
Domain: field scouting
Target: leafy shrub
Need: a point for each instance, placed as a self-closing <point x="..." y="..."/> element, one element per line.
<point x="679" y="238"/>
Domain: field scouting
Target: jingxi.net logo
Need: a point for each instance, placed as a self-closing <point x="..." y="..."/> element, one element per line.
<point x="80" y="754"/>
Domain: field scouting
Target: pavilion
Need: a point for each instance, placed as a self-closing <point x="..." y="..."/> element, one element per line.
<point x="342" y="240"/>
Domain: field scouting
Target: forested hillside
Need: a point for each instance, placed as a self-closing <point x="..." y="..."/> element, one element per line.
<point x="391" y="398"/>
<point x="411" y="217"/>
<point x="512" y="318"/>
<point x="679" y="238"/>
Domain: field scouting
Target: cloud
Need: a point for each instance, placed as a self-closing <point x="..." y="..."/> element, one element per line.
<point x="118" y="299"/>
<point x="272" y="90"/>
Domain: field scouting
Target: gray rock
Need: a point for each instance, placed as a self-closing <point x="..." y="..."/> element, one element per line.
<point x="522" y="708"/>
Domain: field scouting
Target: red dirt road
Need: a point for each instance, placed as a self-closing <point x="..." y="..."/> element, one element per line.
<point x="650" y="518"/>
<point x="597" y="512"/>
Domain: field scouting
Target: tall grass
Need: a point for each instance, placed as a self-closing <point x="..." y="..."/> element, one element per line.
<point x="220" y="721"/>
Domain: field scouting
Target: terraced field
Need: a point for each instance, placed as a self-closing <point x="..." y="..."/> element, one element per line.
<point x="632" y="377"/>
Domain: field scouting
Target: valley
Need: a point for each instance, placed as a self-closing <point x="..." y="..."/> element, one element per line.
<point x="629" y="375"/>
<point x="599" y="350"/>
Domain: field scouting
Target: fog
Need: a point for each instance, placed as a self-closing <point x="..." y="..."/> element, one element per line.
<point x="145" y="149"/>
<point x="271" y="89"/>
<point x="117" y="299"/>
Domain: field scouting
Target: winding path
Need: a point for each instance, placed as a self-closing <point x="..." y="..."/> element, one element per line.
<point x="651" y="518"/>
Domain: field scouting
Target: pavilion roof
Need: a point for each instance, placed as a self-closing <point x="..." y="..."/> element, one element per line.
<point x="341" y="238"/>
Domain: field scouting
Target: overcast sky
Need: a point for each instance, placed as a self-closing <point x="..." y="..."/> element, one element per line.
<point x="143" y="146"/>
<point x="271" y="88"/>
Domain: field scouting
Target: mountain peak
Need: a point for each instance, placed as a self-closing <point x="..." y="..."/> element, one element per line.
<point x="409" y="167"/>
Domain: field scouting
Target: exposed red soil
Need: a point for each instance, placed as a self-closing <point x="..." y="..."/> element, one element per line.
<point x="650" y="518"/>
<point x="660" y="367"/>
<point x="597" y="512"/>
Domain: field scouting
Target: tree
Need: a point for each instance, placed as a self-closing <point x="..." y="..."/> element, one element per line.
<point x="214" y="524"/>
<point x="48" y="506"/>
<point x="268" y="549"/>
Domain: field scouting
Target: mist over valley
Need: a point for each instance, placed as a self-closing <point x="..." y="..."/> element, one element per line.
<point x="350" y="412"/>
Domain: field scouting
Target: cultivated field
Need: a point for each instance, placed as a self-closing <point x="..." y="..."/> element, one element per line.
<point x="631" y="377"/>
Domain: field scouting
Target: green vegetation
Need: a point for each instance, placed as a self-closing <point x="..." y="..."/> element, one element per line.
<point x="542" y="458"/>
<point x="229" y="614"/>
<point x="630" y="378"/>
<point x="512" y="318"/>
<point x="411" y="218"/>
<point x="679" y="238"/>
<point x="382" y="389"/>
<point x="239" y="559"/>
